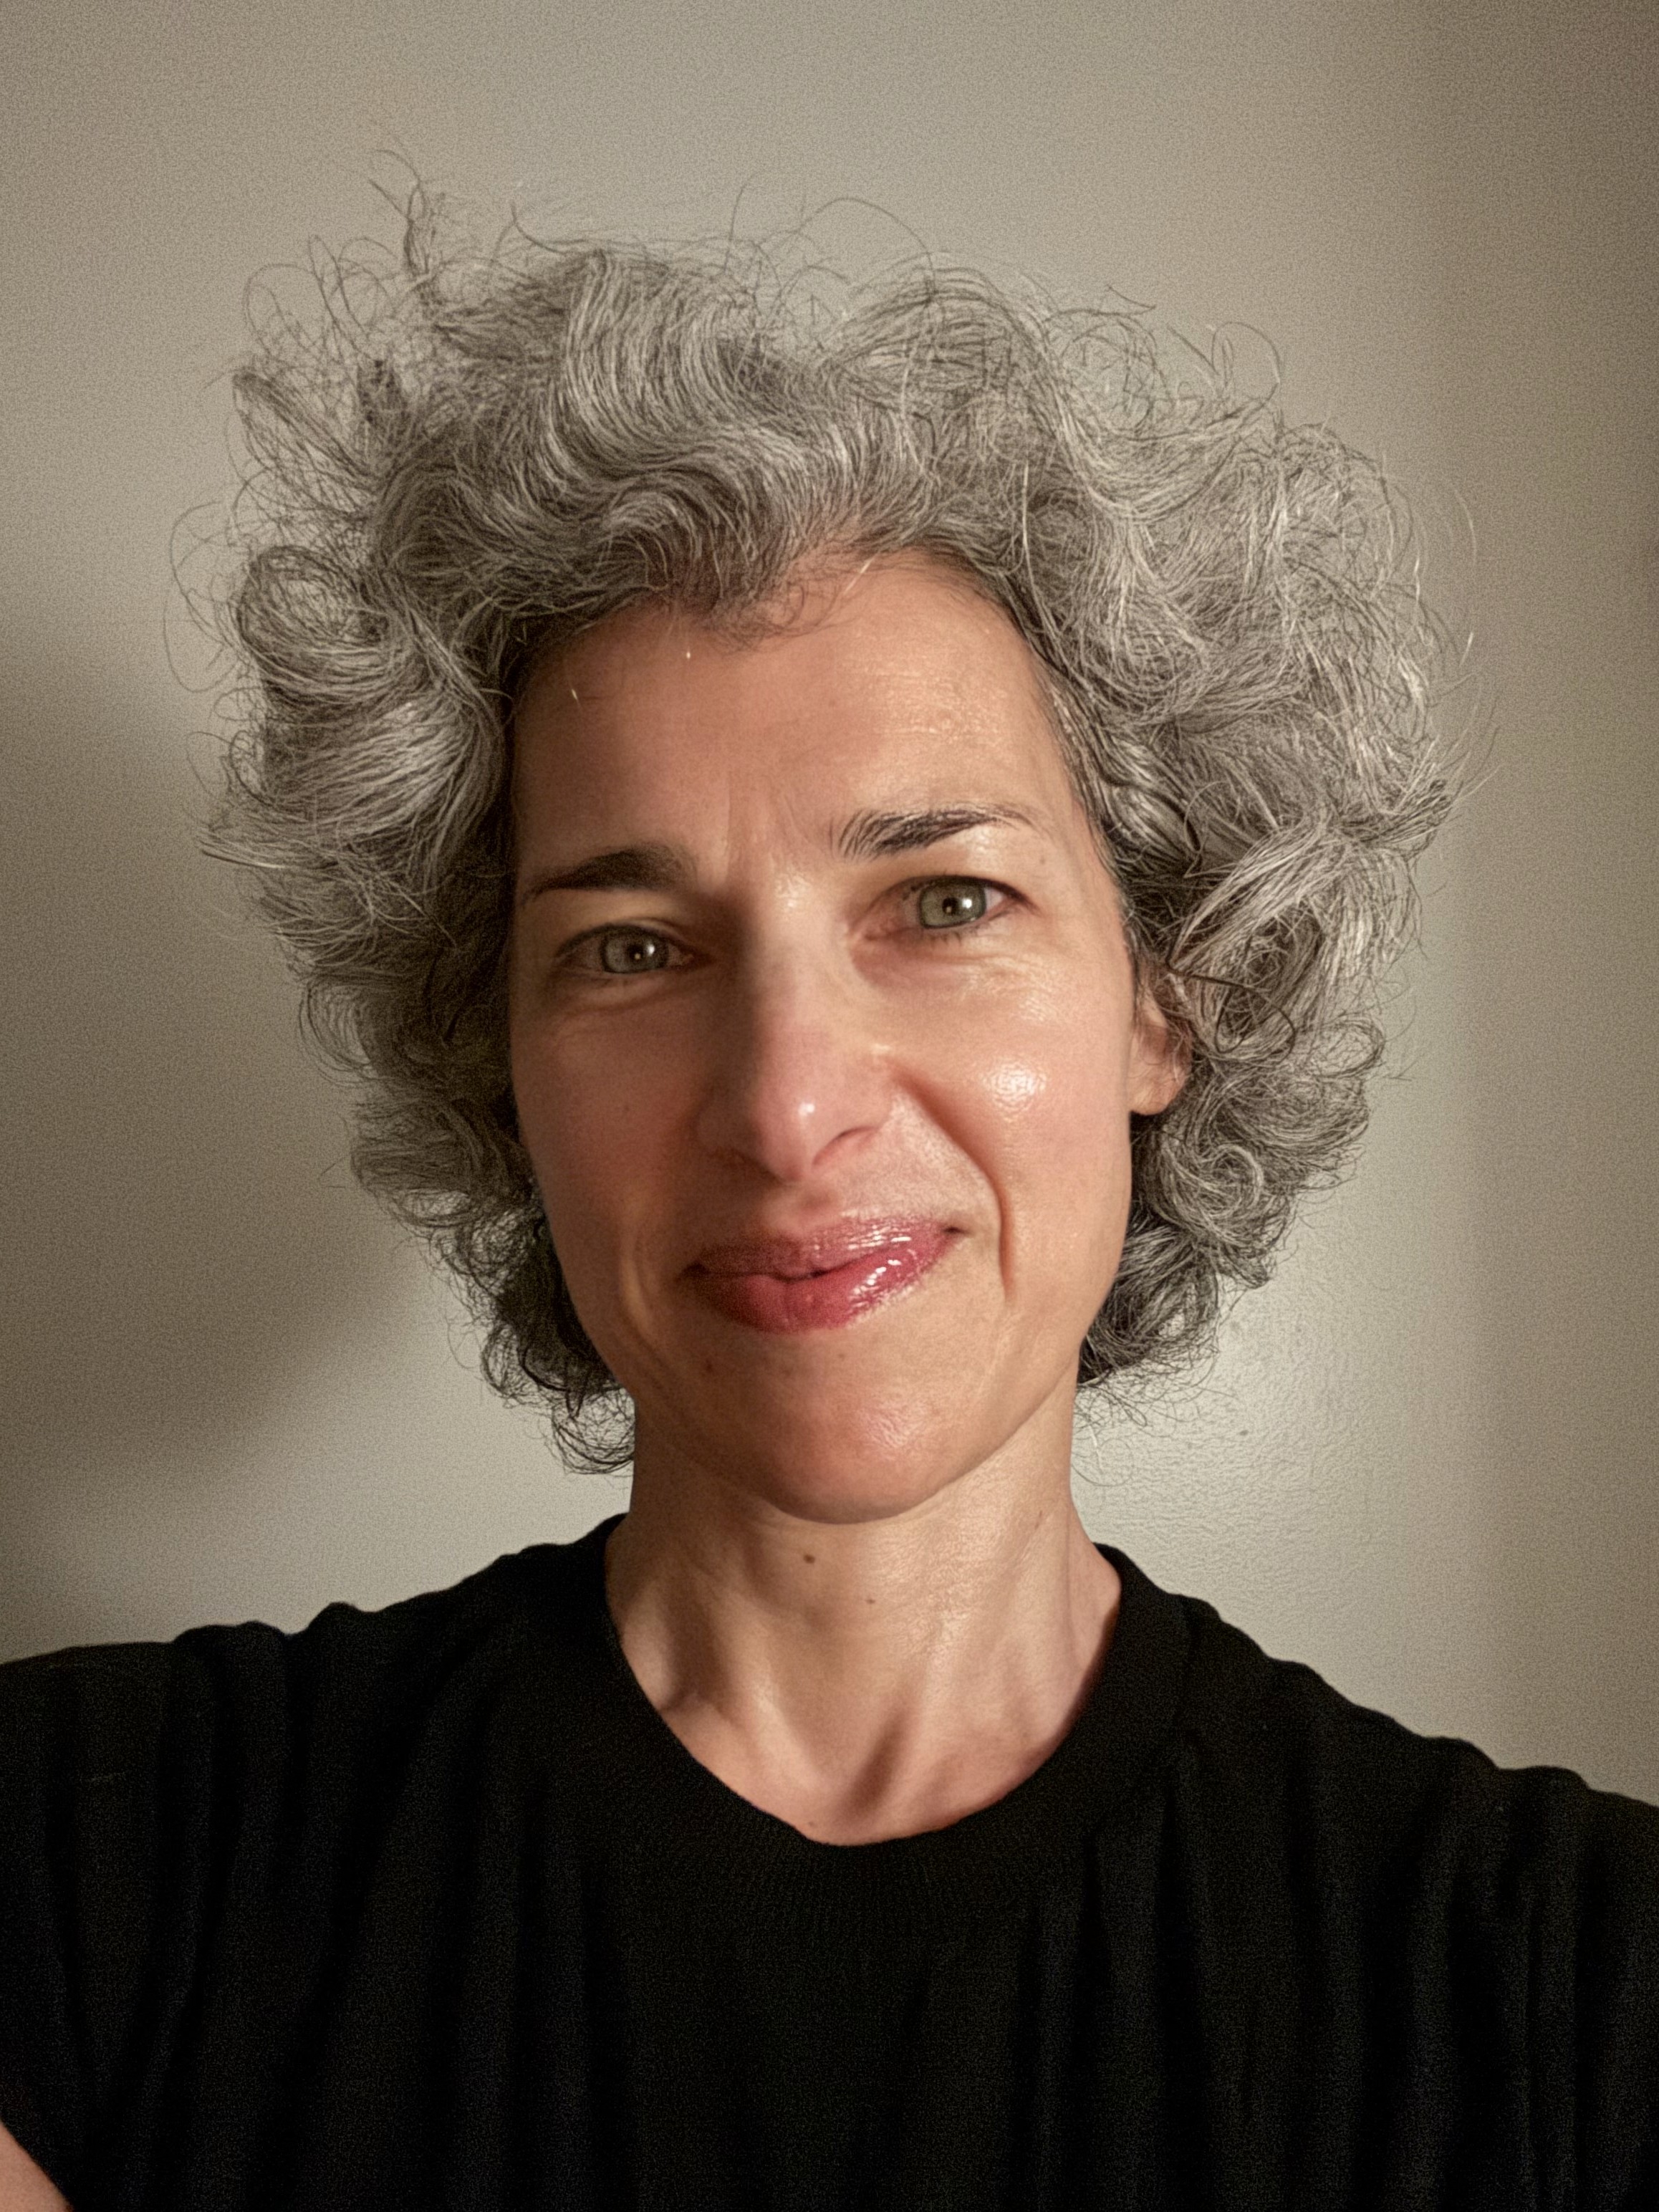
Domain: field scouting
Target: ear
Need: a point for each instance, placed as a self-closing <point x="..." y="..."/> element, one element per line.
<point x="1160" y="1056"/>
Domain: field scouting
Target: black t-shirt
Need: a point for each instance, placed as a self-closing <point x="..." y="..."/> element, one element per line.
<point x="429" y="1908"/>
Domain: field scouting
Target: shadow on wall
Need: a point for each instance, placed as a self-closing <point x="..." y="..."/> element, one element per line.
<point x="1549" y="202"/>
<point x="1565" y="1095"/>
<point x="173" y="1247"/>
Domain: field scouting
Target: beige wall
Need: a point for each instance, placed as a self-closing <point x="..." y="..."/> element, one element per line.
<point x="1424" y="1461"/>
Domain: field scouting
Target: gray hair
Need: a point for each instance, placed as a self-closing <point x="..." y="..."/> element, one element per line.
<point x="474" y="456"/>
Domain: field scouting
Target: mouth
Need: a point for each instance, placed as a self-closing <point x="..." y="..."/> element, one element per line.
<point x="787" y="1284"/>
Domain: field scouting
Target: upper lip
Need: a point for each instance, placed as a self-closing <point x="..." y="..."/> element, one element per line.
<point x="812" y="1254"/>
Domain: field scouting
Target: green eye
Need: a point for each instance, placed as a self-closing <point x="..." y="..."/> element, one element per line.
<point x="951" y="902"/>
<point x="633" y="952"/>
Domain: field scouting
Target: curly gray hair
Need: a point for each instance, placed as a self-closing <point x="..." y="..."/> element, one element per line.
<point x="474" y="456"/>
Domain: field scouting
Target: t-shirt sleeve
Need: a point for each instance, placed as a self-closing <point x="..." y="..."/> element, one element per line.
<point x="1596" y="2007"/>
<point x="1458" y="1964"/>
<point x="180" y="1824"/>
<point x="84" y="1860"/>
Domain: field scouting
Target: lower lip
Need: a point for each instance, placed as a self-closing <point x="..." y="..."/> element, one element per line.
<point x="787" y="1304"/>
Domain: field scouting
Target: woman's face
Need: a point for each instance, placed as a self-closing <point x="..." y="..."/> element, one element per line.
<point x="824" y="1034"/>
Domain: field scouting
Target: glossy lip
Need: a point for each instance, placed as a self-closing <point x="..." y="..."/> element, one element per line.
<point x="784" y="1284"/>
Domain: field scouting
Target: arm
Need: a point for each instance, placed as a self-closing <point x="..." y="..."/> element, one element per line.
<point x="23" y="2187"/>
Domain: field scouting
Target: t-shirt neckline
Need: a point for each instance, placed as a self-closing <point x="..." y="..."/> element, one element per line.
<point x="676" y="1806"/>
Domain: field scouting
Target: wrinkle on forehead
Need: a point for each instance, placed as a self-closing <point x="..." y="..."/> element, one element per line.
<point x="923" y="700"/>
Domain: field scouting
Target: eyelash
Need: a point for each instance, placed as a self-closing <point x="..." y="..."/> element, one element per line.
<point x="591" y="940"/>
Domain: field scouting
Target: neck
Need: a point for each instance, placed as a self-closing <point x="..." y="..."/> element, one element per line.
<point x="865" y="1679"/>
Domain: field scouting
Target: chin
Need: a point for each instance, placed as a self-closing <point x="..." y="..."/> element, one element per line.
<point x="844" y="1456"/>
<point x="848" y="1492"/>
<point x="851" y="1425"/>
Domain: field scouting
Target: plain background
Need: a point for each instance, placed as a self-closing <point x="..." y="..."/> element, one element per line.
<point x="1424" y="1460"/>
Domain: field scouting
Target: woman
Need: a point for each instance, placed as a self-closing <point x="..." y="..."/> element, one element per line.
<point x="850" y="852"/>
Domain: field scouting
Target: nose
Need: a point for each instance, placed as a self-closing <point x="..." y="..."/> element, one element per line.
<point x="798" y="1071"/>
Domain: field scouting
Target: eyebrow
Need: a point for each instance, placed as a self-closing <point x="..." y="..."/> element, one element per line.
<point x="628" y="868"/>
<point x="878" y="836"/>
<point x="872" y="835"/>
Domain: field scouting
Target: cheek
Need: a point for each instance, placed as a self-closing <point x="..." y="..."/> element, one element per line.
<point x="1054" y="1103"/>
<point x="1047" y="1121"/>
<point x="598" y="1139"/>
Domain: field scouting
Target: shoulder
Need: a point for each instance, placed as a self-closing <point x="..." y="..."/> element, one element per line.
<point x="115" y="1758"/>
<point x="196" y="1814"/>
<point x="1277" y="1727"/>
<point x="1468" y="1951"/>
<point x="112" y="1702"/>
<point x="1406" y="1837"/>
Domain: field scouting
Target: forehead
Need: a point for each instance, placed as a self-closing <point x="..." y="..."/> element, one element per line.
<point x="896" y="681"/>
